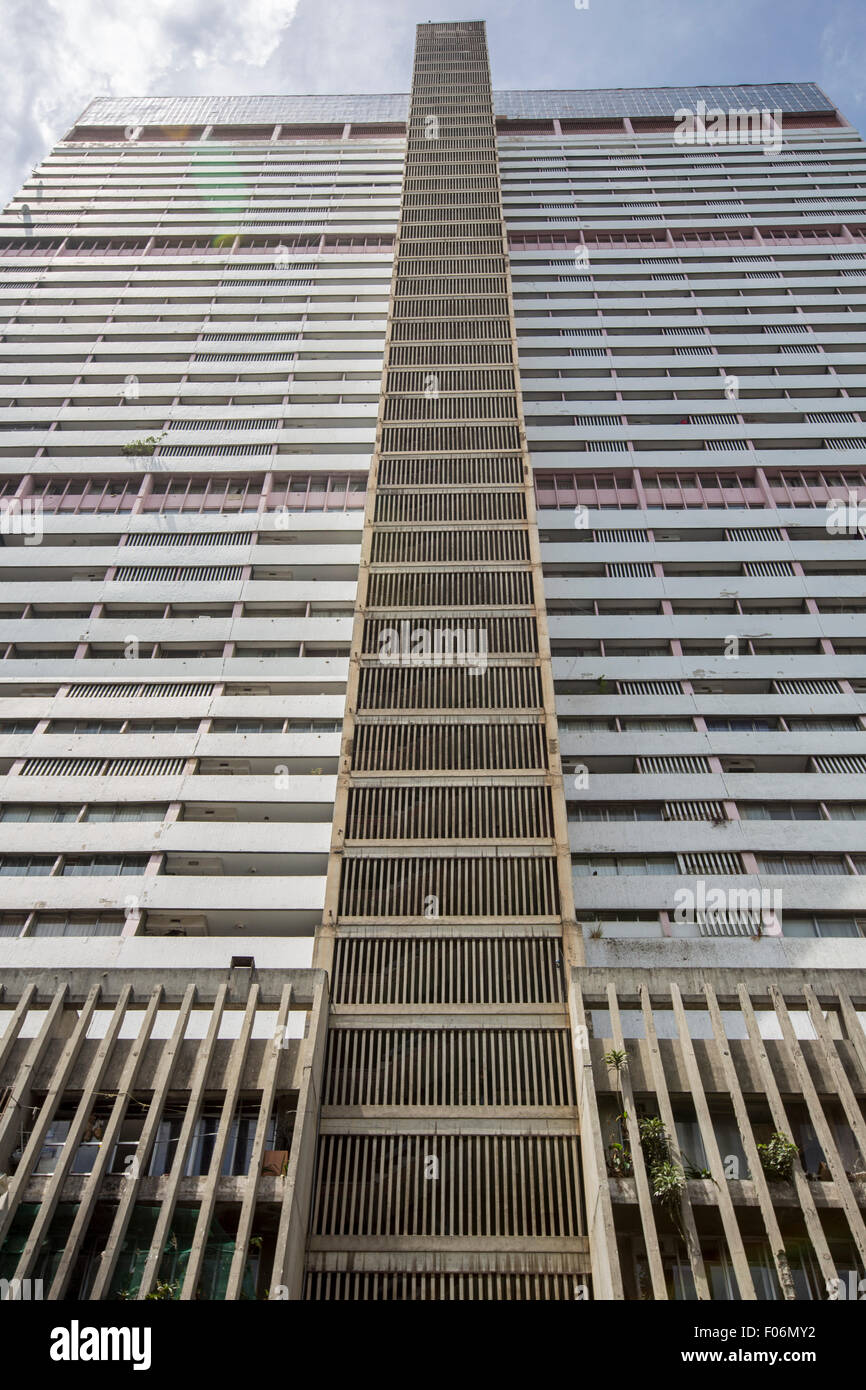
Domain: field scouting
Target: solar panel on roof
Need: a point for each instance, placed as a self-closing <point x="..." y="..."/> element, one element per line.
<point x="242" y="110"/>
<point x="384" y="106"/>
<point x="658" y="101"/>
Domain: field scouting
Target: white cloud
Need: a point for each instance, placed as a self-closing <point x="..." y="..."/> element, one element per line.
<point x="59" y="54"/>
<point x="842" y="51"/>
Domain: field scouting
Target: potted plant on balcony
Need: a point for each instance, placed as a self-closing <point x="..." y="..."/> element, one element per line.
<point x="777" y="1157"/>
<point x="144" y="446"/>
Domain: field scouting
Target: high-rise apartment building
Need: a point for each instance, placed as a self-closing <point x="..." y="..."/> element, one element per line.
<point x="464" y="826"/>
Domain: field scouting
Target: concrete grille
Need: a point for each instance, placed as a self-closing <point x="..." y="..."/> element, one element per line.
<point x="447" y="677"/>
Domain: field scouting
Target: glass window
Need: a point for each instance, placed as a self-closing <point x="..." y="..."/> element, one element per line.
<point x="798" y="926"/>
<point x="611" y="864"/>
<point x="28" y="868"/>
<point x="803" y="925"/>
<point x="77" y="924"/>
<point x="165" y="1146"/>
<point x="660" y="864"/>
<point x="660" y="725"/>
<point x="801" y="864"/>
<point x="586" y="864"/>
<point x="837" y="723"/>
<point x="84" y="726"/>
<point x="740" y="725"/>
<point x="130" y="1133"/>
<point x="105" y="867"/>
<point x="840" y="926"/>
<point x="53" y="1146"/>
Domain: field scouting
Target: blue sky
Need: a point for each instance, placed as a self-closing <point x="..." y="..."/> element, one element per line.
<point x="60" y="53"/>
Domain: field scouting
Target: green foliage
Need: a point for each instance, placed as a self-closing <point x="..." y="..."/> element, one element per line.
<point x="777" y="1156"/>
<point x="667" y="1181"/>
<point x="163" y="1290"/>
<point x="654" y="1140"/>
<point x="692" y="1171"/>
<point x="619" y="1160"/>
<point x="141" y="446"/>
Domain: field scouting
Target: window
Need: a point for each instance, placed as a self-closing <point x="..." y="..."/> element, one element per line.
<point x="598" y="725"/>
<point x="314" y="726"/>
<point x="663" y="726"/>
<point x="55" y="1142"/>
<point x="236" y="1160"/>
<point x="163" y="726"/>
<point x="741" y="725"/>
<point x="244" y="726"/>
<point x="633" y="649"/>
<point x="85" y="726"/>
<point x="34" y="866"/>
<point x="838" y="722"/>
<point x="104" y="866"/>
<point x="620" y="864"/>
<point x="800" y="924"/>
<point x="77" y="924"/>
<point x="130" y="1133"/>
<point x="43" y="814"/>
<point x="290" y="649"/>
<point x="583" y="812"/>
<point x="801" y="864"/>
